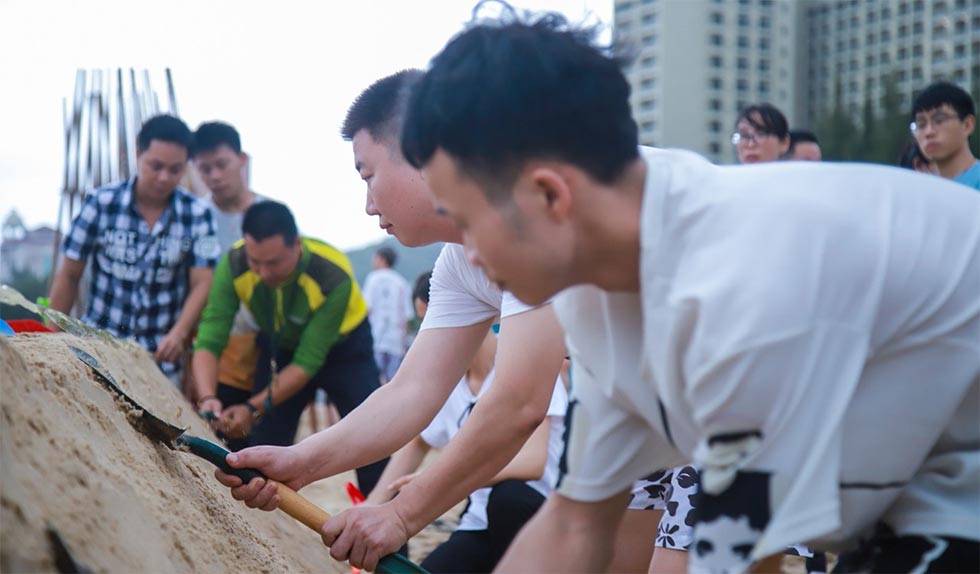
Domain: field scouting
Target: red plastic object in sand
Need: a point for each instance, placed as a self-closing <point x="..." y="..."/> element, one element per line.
<point x="356" y="496"/>
<point x="29" y="326"/>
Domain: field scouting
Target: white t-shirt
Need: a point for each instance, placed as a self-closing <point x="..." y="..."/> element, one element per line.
<point x="461" y="295"/>
<point x="807" y="335"/>
<point x="389" y="304"/>
<point x="454" y="413"/>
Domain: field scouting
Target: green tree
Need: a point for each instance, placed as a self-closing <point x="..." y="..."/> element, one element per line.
<point x="891" y="126"/>
<point x="838" y="133"/>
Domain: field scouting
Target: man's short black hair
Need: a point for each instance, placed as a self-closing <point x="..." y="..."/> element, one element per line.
<point x="388" y="254"/>
<point x="380" y="109"/>
<point x="421" y="290"/>
<point x="511" y="90"/>
<point x="770" y="119"/>
<point x="165" y="128"/>
<point x="800" y="136"/>
<point x="212" y="135"/>
<point x="939" y="93"/>
<point x="267" y="219"/>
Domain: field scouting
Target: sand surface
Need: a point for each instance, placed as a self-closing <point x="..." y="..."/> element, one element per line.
<point x="69" y="459"/>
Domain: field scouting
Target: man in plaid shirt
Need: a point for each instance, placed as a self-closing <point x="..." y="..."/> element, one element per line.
<point x="153" y="249"/>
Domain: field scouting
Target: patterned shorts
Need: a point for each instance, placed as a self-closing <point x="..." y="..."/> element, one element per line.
<point x="669" y="490"/>
<point x="674" y="491"/>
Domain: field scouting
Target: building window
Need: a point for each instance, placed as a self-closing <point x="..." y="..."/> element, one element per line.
<point x="649" y="18"/>
<point x="764" y="22"/>
<point x="715" y="105"/>
<point x="742" y="84"/>
<point x="743" y="20"/>
<point x="649" y="40"/>
<point x="960" y="51"/>
<point x="916" y="73"/>
<point x="917" y="51"/>
<point x="869" y="60"/>
<point x="742" y="63"/>
<point x="647" y="126"/>
<point x="648" y="62"/>
<point x="763" y="87"/>
<point x="764" y="43"/>
<point x="714" y="126"/>
<point x="623" y="6"/>
<point x="717" y="18"/>
<point x="715" y="39"/>
<point x="743" y="42"/>
<point x="646" y="83"/>
<point x="886" y="35"/>
<point x="715" y="83"/>
<point x="870" y="39"/>
<point x="715" y="148"/>
<point x="647" y="105"/>
<point x="902" y="53"/>
<point x="715" y="61"/>
<point x="763" y="65"/>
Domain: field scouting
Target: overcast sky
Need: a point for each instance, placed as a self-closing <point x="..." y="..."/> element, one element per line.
<point x="283" y="73"/>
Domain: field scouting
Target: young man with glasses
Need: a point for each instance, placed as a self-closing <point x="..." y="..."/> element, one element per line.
<point x="943" y="117"/>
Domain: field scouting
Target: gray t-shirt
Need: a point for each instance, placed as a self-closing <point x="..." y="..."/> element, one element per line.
<point x="228" y="225"/>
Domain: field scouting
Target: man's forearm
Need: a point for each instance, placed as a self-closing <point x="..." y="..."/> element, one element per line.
<point x="205" y="367"/>
<point x="287" y="383"/>
<point x="355" y="442"/>
<point x="482" y="448"/>
<point x="64" y="291"/>
<point x="190" y="313"/>
<point x="405" y="461"/>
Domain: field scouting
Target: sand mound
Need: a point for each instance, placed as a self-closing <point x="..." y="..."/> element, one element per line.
<point x="70" y="460"/>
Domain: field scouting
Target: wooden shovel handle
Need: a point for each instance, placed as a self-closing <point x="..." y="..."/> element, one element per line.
<point x="297" y="506"/>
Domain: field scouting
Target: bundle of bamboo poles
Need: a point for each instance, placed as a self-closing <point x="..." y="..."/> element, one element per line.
<point x="100" y="125"/>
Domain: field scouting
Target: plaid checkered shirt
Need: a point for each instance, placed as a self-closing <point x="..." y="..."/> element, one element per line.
<point x="140" y="276"/>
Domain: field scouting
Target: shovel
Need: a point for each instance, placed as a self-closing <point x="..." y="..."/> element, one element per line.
<point x="291" y="502"/>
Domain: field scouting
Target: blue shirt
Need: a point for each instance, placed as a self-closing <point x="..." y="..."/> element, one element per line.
<point x="970" y="177"/>
<point x="140" y="276"/>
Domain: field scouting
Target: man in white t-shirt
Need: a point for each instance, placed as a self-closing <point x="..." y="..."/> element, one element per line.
<point x="463" y="304"/>
<point x="387" y="295"/>
<point x="807" y="335"/>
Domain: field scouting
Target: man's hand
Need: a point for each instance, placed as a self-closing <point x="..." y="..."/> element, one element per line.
<point x="398" y="483"/>
<point x="171" y="346"/>
<point x="283" y="464"/>
<point x="365" y="534"/>
<point x="236" y="421"/>
<point x="210" y="405"/>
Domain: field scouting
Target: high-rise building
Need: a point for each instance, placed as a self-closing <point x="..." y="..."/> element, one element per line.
<point x="860" y="45"/>
<point x="696" y="63"/>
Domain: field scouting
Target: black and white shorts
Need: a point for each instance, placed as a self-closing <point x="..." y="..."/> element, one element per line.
<point x="674" y="491"/>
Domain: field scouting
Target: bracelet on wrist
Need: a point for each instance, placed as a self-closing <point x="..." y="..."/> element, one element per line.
<point x="256" y="414"/>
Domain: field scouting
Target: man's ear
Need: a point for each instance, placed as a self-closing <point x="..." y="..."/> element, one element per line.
<point x="970" y="122"/>
<point x="553" y="190"/>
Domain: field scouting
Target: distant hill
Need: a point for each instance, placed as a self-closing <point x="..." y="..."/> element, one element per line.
<point x="411" y="262"/>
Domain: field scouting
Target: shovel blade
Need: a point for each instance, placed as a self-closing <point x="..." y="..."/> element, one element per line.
<point x="142" y="420"/>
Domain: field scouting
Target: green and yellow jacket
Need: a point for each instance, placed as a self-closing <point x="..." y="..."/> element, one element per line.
<point x="323" y="299"/>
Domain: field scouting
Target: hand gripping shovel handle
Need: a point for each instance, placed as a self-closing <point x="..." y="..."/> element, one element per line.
<point x="291" y="502"/>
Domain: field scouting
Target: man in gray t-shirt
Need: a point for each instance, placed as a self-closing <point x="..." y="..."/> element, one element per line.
<point x="219" y="159"/>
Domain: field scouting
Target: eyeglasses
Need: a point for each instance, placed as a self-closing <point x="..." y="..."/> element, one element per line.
<point x="936" y="120"/>
<point x="740" y="138"/>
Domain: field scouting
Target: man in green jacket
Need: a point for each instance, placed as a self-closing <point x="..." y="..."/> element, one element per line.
<point x="313" y="333"/>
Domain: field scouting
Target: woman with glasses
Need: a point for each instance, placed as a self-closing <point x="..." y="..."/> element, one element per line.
<point x="761" y="134"/>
